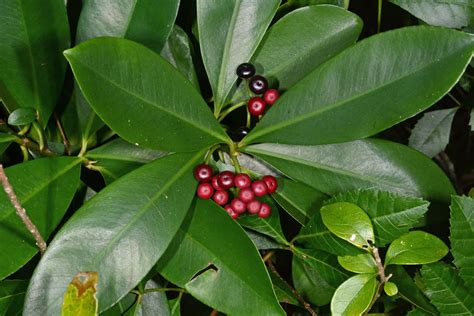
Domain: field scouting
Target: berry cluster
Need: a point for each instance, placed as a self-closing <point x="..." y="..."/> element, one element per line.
<point x="258" y="85"/>
<point x="240" y="185"/>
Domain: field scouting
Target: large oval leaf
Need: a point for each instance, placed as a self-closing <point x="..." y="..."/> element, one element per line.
<point x="45" y="188"/>
<point x="120" y="233"/>
<point x="371" y="163"/>
<point x="229" y="33"/>
<point x="142" y="97"/>
<point x="368" y="87"/>
<point x="34" y="33"/>
<point x="353" y="297"/>
<point x="212" y="272"/>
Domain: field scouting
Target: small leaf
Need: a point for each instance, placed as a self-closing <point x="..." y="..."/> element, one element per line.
<point x="22" y="116"/>
<point x="363" y="263"/>
<point x="80" y="297"/>
<point x="431" y="133"/>
<point x="446" y="290"/>
<point x="12" y="296"/>
<point x="283" y="291"/>
<point x="390" y="288"/>
<point x="462" y="236"/>
<point x="353" y="296"/>
<point x="349" y="222"/>
<point x="415" y="247"/>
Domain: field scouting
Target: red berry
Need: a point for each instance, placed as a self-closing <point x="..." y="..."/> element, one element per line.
<point x="270" y="96"/>
<point x="265" y="210"/>
<point x="246" y="195"/>
<point x="271" y="182"/>
<point x="254" y="206"/>
<point x="205" y="190"/>
<point x="242" y="181"/>
<point x="215" y="182"/>
<point x="256" y="106"/>
<point x="226" y="180"/>
<point x="238" y="206"/>
<point x="231" y="212"/>
<point x="221" y="197"/>
<point x="258" y="84"/>
<point x="203" y="173"/>
<point x="259" y="188"/>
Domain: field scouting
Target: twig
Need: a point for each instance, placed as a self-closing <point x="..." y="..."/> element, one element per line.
<point x="382" y="276"/>
<point x="306" y="305"/>
<point x="21" y="211"/>
<point x="63" y="134"/>
<point x="214" y="312"/>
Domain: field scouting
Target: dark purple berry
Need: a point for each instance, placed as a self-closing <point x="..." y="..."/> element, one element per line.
<point x="245" y="70"/>
<point x="226" y="180"/>
<point x="270" y="96"/>
<point x="246" y="195"/>
<point x="259" y="188"/>
<point x="203" y="173"/>
<point x="205" y="190"/>
<point x="256" y="106"/>
<point x="258" y="84"/>
<point x="242" y="181"/>
<point x="271" y="183"/>
<point x="254" y="206"/>
<point x="238" y="206"/>
<point x="265" y="210"/>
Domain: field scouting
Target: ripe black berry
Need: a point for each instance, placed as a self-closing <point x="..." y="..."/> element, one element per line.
<point x="221" y="197"/>
<point x="270" y="96"/>
<point x="245" y="70"/>
<point x="256" y="106"/>
<point x="238" y="206"/>
<point x="258" y="84"/>
<point x="203" y="173"/>
<point x="265" y="210"/>
<point x="242" y="180"/>
<point x="226" y="180"/>
<point x="271" y="183"/>
<point x="246" y="195"/>
<point x="259" y="188"/>
<point x="254" y="206"/>
<point x="205" y="190"/>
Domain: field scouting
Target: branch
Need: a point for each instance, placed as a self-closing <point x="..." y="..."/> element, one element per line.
<point x="21" y="211"/>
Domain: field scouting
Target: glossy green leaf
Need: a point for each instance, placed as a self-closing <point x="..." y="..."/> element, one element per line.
<point x="392" y="214"/>
<point x="133" y="89"/>
<point x="462" y="237"/>
<point x="80" y="297"/>
<point x="283" y="291"/>
<point x="370" y="163"/>
<point x="446" y="290"/>
<point x="325" y="106"/>
<point x="408" y="290"/>
<point x="118" y="157"/>
<point x="212" y="272"/>
<point x="120" y="233"/>
<point x="178" y="51"/>
<point x="45" y="188"/>
<point x="390" y="288"/>
<point x="299" y="200"/>
<point x="316" y="275"/>
<point x="323" y="31"/>
<point x="241" y="25"/>
<point x="12" y="295"/>
<point x="349" y="222"/>
<point x="263" y="242"/>
<point x="22" y="116"/>
<point x="448" y="13"/>
<point x="363" y="263"/>
<point x="291" y="5"/>
<point x="5" y="141"/>
<point x="431" y="133"/>
<point x="32" y="69"/>
<point x="418" y="312"/>
<point x="416" y="247"/>
<point x="353" y="297"/>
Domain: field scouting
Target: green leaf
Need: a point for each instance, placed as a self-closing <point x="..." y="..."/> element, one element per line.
<point x="147" y="22"/>
<point x="415" y="247"/>
<point x="323" y="31"/>
<point x="462" y="237"/>
<point x="448" y="13"/>
<point x="22" y="116"/>
<point x="282" y="290"/>
<point x="471" y="120"/>
<point x="392" y="214"/>
<point x="390" y="288"/>
<point x="384" y="68"/>
<point x="178" y="51"/>
<point x="120" y="233"/>
<point x="212" y="272"/>
<point x="133" y="89"/>
<point x="80" y="297"/>
<point x="431" y="132"/>
<point x="418" y="312"/>
<point x="44" y="187"/>
<point x="408" y="290"/>
<point x="316" y="275"/>
<point x="153" y="303"/>
<point x="349" y="222"/>
<point x="353" y="297"/>
<point x="370" y="163"/>
<point x="298" y="200"/>
<point x="118" y="157"/>
<point x="32" y="69"/>
<point x="446" y="290"/>
<point x="263" y="242"/>
<point x="362" y="263"/>
<point x="175" y="306"/>
<point x="241" y="25"/>
<point x="5" y="141"/>
<point x="12" y="295"/>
